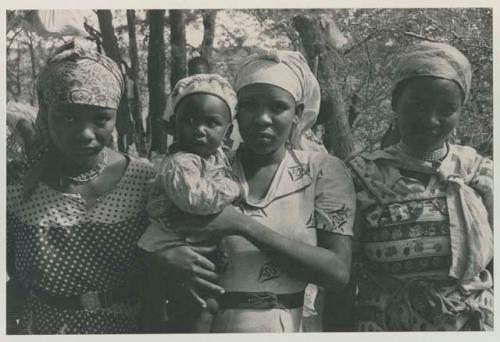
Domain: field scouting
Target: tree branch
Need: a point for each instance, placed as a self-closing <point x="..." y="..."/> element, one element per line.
<point x="12" y="40"/>
<point x="361" y="42"/>
<point x="418" y="36"/>
<point x="370" y="73"/>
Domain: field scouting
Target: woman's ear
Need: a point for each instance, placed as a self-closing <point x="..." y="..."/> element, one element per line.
<point x="169" y="126"/>
<point x="227" y="141"/>
<point x="229" y="131"/>
<point x="299" y="109"/>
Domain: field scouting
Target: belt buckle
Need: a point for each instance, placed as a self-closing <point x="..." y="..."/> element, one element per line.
<point x="263" y="300"/>
<point x="90" y="301"/>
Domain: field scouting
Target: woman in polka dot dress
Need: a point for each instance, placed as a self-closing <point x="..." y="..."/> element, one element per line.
<point x="75" y="209"/>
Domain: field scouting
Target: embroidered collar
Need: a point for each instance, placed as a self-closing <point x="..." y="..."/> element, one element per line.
<point x="293" y="174"/>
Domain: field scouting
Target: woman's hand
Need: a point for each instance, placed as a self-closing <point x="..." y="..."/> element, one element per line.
<point x="194" y="271"/>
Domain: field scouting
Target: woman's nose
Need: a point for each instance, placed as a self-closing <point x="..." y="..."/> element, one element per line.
<point x="433" y="118"/>
<point x="263" y="117"/>
<point x="85" y="136"/>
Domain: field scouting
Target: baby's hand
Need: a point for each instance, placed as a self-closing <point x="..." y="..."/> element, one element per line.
<point x="157" y="201"/>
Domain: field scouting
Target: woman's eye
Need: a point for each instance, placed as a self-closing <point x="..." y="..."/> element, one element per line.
<point x="278" y="107"/>
<point x="187" y="119"/>
<point x="68" y="118"/>
<point x="447" y="111"/>
<point x="246" y="105"/>
<point x="419" y="106"/>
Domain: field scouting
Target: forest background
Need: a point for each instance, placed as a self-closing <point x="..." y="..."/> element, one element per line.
<point x="352" y="51"/>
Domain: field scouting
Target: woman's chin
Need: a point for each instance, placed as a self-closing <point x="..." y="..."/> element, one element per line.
<point x="82" y="160"/>
<point x="262" y="149"/>
<point x="424" y="143"/>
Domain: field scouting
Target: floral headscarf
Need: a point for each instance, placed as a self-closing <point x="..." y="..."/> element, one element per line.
<point x="74" y="75"/>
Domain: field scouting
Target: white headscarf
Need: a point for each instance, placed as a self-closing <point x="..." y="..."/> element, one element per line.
<point x="289" y="71"/>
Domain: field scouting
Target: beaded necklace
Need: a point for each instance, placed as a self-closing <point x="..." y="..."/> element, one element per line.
<point x="89" y="175"/>
<point x="429" y="156"/>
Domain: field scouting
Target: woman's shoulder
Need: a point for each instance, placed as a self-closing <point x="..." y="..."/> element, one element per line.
<point x="139" y="168"/>
<point x="319" y="159"/>
<point x="16" y="170"/>
<point x="467" y="155"/>
<point x="323" y="166"/>
<point x="468" y="163"/>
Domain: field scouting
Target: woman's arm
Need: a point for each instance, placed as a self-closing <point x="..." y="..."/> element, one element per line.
<point x="327" y="264"/>
<point x="482" y="182"/>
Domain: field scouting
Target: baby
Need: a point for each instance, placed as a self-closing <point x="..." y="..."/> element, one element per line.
<point x="196" y="177"/>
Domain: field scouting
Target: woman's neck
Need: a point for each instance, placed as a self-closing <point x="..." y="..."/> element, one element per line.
<point x="72" y="167"/>
<point x="254" y="160"/>
<point x="426" y="155"/>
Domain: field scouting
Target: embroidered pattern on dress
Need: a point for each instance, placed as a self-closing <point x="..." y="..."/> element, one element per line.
<point x="433" y="263"/>
<point x="407" y="231"/>
<point x="396" y="213"/>
<point x="339" y="217"/>
<point x="253" y="211"/>
<point x="298" y="171"/>
<point x="268" y="271"/>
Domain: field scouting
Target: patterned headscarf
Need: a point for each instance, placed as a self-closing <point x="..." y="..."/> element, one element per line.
<point x="211" y="84"/>
<point x="435" y="60"/>
<point x="74" y="75"/>
<point x="79" y="76"/>
<point x="289" y="71"/>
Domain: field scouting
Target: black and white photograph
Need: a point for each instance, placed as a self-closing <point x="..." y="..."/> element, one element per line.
<point x="287" y="169"/>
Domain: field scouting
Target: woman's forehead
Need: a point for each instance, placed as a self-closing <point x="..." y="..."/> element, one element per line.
<point x="432" y="86"/>
<point x="75" y="108"/>
<point x="264" y="91"/>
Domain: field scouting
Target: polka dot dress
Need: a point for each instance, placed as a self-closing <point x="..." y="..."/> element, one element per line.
<point x="63" y="248"/>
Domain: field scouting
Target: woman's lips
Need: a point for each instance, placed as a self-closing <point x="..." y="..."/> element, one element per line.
<point x="263" y="136"/>
<point x="426" y="132"/>
<point x="86" y="150"/>
<point x="199" y="143"/>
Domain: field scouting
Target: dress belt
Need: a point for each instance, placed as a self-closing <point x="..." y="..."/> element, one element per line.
<point x="261" y="300"/>
<point x="89" y="301"/>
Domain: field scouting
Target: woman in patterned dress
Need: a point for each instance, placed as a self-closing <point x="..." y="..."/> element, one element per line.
<point x="425" y="208"/>
<point x="293" y="225"/>
<point x="76" y="209"/>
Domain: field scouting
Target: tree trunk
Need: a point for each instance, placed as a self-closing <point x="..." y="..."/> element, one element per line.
<point x="178" y="67"/>
<point x="316" y="37"/>
<point x="33" y="69"/>
<point x="207" y="44"/>
<point x="134" y="97"/>
<point x="156" y="79"/>
<point x="110" y="45"/>
<point x="18" y="74"/>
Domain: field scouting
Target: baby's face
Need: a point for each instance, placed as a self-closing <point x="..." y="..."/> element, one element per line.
<point x="201" y="122"/>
